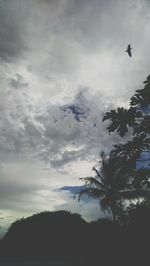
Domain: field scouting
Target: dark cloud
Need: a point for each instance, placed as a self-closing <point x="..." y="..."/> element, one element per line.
<point x="79" y="109"/>
<point x="72" y="189"/>
<point x="54" y="135"/>
<point x="12" y="43"/>
<point x="69" y="136"/>
<point x="18" y="82"/>
<point x="66" y="157"/>
<point x="14" y="195"/>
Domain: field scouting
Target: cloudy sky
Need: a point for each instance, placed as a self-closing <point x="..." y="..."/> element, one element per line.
<point x="62" y="66"/>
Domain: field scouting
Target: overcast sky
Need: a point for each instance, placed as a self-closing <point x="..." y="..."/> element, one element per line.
<point x="62" y="66"/>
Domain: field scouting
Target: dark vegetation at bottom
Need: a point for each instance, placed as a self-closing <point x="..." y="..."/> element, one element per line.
<point x="65" y="237"/>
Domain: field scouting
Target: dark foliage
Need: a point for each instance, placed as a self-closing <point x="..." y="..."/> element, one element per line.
<point x="136" y="117"/>
<point x="142" y="97"/>
<point x="44" y="236"/>
<point x="64" y="237"/>
<point x="111" y="184"/>
<point x="121" y="119"/>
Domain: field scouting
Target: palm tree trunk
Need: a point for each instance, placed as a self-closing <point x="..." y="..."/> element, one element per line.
<point x="113" y="212"/>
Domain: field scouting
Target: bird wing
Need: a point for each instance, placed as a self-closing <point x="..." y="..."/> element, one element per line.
<point x="129" y="52"/>
<point x="129" y="47"/>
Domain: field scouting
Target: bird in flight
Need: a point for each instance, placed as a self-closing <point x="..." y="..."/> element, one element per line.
<point x="129" y="50"/>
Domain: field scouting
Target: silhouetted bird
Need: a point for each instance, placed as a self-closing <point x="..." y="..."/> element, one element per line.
<point x="129" y="50"/>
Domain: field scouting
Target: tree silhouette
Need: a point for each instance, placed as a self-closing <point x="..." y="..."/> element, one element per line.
<point x="136" y="117"/>
<point x="46" y="236"/>
<point x="112" y="185"/>
<point x="142" y="97"/>
<point x="118" y="178"/>
<point x="121" y="119"/>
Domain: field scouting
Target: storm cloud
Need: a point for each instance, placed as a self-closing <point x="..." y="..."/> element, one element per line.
<point x="62" y="66"/>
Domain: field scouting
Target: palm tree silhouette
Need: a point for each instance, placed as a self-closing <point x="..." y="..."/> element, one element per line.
<point x="112" y="185"/>
<point x="108" y="184"/>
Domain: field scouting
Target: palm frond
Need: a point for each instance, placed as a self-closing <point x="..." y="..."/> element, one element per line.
<point x="98" y="174"/>
<point x="92" y="181"/>
<point x="91" y="192"/>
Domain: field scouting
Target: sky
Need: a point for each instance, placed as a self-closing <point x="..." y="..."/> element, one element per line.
<point x="62" y="66"/>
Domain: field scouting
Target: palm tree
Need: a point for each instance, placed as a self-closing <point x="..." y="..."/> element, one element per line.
<point x="112" y="185"/>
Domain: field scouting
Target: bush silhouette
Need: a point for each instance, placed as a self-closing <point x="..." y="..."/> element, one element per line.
<point x="65" y="237"/>
<point x="48" y="235"/>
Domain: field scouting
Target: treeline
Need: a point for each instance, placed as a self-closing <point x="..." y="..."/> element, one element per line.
<point x="65" y="237"/>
